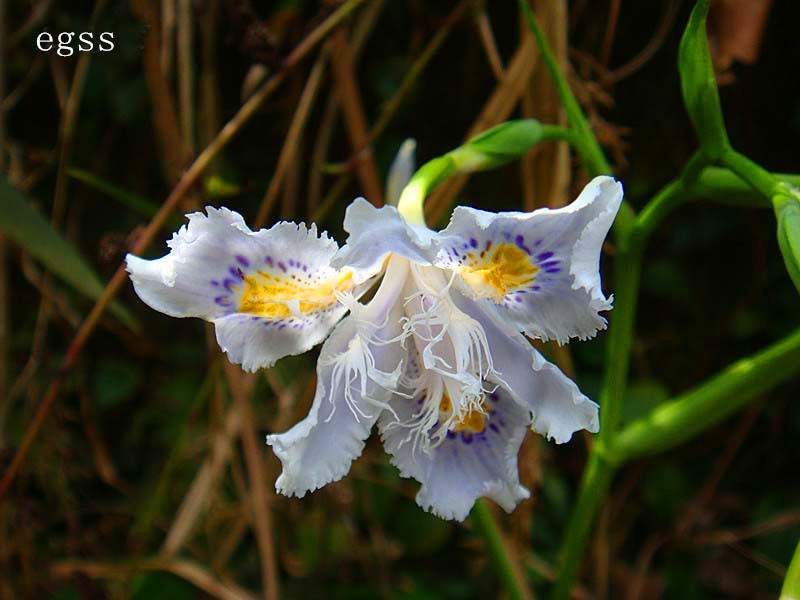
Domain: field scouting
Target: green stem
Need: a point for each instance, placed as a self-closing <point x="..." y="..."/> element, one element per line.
<point x="510" y="576"/>
<point x="594" y="486"/>
<point x="596" y="160"/>
<point x="600" y="471"/>
<point x="582" y="139"/>
<point x="706" y="405"/>
<point x="791" y="585"/>
<point x="758" y="177"/>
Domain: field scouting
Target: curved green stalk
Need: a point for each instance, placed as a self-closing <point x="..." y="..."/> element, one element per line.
<point x="709" y="403"/>
<point x="510" y="576"/>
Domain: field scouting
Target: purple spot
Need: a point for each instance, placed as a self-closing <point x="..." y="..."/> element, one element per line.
<point x="552" y="270"/>
<point x="215" y="283"/>
<point x="222" y="300"/>
<point x="536" y="288"/>
<point x="538" y="243"/>
<point x="268" y="260"/>
<point x="549" y="264"/>
<point x="473" y="242"/>
<point x="305" y="268"/>
<point x="236" y="272"/>
<point x="451" y="435"/>
<point x="228" y="284"/>
<point x="520" y="241"/>
<point x="255" y="318"/>
<point x="517" y="298"/>
<point x="494" y="428"/>
<point x="466" y="437"/>
<point x="282" y="267"/>
<point x="291" y="262"/>
<point x="544" y="255"/>
<point x="242" y="260"/>
<point x="282" y="326"/>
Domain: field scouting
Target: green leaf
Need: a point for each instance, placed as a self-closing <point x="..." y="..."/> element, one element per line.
<point x="24" y="225"/>
<point x="788" y="213"/>
<point x="698" y="84"/>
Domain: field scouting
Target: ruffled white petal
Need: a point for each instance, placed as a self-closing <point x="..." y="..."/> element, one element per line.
<point x="270" y="293"/>
<point x="466" y="465"/>
<point x="359" y="366"/>
<point x="558" y="407"/>
<point x="374" y="233"/>
<point x="539" y="270"/>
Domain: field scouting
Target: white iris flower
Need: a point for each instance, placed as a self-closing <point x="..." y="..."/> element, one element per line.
<point x="437" y="358"/>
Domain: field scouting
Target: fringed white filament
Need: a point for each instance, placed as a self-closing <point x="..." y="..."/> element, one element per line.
<point x="354" y="368"/>
<point x="461" y="366"/>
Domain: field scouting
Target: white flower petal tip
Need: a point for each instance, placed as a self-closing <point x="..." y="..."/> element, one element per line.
<point x="374" y="233"/>
<point x="556" y="405"/>
<point x="540" y="271"/>
<point x="270" y="293"/>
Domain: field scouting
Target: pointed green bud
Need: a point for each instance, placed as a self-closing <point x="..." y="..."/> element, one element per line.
<point x="699" y="85"/>
<point x="498" y="145"/>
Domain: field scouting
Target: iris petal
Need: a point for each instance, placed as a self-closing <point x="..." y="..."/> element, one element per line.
<point x="270" y="293"/>
<point x="376" y="232"/>
<point x="539" y="270"/>
<point x="468" y="463"/>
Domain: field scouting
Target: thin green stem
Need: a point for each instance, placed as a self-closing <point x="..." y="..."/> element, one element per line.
<point x="596" y="160"/>
<point x="506" y="568"/>
<point x="594" y="486"/>
<point x="791" y="584"/>
<point x="706" y="405"/>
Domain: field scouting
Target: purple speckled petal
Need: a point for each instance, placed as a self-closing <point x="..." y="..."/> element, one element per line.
<point x="215" y="257"/>
<point x="561" y="295"/>
<point x="466" y="465"/>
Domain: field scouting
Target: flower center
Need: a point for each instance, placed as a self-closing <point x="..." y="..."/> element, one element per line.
<point x="492" y="274"/>
<point x="269" y="296"/>
<point x="474" y="420"/>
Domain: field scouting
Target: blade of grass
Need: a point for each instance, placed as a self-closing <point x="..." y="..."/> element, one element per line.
<point x="28" y="228"/>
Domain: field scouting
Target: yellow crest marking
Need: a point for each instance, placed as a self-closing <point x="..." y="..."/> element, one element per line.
<point x="506" y="268"/>
<point x="267" y="295"/>
<point x="474" y="420"/>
